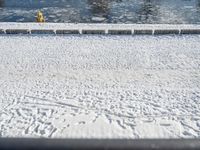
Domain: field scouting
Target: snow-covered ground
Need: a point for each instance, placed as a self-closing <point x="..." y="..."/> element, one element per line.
<point x="100" y="86"/>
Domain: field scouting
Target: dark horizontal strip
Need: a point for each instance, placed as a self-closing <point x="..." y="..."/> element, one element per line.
<point x="166" y="31"/>
<point x="42" y="32"/>
<point x="148" y="32"/>
<point x="93" y="32"/>
<point x="98" y="144"/>
<point x="17" y="31"/>
<point x="97" y="31"/>
<point x="120" y="32"/>
<point x="67" y="32"/>
<point x="190" y="31"/>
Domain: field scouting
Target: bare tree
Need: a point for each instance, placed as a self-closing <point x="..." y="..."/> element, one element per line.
<point x="198" y="4"/>
<point x="99" y="7"/>
<point x="1" y="3"/>
<point x="147" y="11"/>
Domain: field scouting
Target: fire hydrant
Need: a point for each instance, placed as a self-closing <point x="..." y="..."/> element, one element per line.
<point x="40" y="17"/>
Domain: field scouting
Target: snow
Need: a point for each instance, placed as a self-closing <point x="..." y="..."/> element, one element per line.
<point x="98" y="19"/>
<point x="80" y="26"/>
<point x="100" y="86"/>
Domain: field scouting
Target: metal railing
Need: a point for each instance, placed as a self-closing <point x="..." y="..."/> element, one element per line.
<point x="102" y="32"/>
<point x="109" y="32"/>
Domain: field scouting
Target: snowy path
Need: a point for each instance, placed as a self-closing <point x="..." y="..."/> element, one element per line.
<point x="100" y="86"/>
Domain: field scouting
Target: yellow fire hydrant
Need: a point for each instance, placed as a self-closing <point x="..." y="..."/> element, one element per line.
<point x="40" y="17"/>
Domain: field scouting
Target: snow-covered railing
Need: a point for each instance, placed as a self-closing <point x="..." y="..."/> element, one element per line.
<point x="112" y="29"/>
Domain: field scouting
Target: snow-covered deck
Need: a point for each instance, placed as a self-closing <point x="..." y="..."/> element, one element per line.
<point x="67" y="28"/>
<point x="99" y="86"/>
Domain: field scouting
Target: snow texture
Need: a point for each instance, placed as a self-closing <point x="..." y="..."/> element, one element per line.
<point x="80" y="26"/>
<point x="100" y="86"/>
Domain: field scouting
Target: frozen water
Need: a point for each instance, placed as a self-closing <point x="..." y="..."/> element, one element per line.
<point x="110" y="11"/>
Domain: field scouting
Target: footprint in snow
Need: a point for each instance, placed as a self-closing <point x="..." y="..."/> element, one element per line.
<point x="165" y="124"/>
<point x="82" y="122"/>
